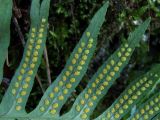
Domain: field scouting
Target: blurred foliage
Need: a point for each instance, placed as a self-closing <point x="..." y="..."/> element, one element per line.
<point x="68" y="20"/>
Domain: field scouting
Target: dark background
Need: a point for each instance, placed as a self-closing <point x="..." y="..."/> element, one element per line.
<point x="67" y="21"/>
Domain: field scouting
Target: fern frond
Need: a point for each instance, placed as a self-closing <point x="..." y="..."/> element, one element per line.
<point x="132" y="95"/>
<point x="5" y="18"/>
<point x="57" y="94"/>
<point x="15" y="98"/>
<point x="149" y="109"/>
<point x="105" y="77"/>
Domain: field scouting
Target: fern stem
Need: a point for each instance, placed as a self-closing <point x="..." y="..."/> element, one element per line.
<point x="47" y="66"/>
<point x="40" y="83"/>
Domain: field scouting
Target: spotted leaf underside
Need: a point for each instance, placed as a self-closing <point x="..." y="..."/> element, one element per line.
<point x="105" y="77"/>
<point x="132" y="95"/>
<point x="16" y="96"/>
<point x="56" y="95"/>
<point x="150" y="110"/>
<point x="76" y="66"/>
<point x="14" y="101"/>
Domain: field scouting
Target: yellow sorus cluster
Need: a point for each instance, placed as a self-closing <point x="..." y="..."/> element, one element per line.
<point x="84" y="115"/>
<point x="124" y="52"/>
<point x="149" y="109"/>
<point x="87" y="100"/>
<point x="80" y="57"/>
<point x="99" y="90"/>
<point x="71" y="72"/>
<point x="128" y="99"/>
<point x="30" y="61"/>
<point x="48" y="101"/>
<point x="87" y="109"/>
<point x="112" y="68"/>
<point x="107" y="70"/>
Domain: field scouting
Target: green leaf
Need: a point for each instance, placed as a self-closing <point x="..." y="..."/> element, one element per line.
<point x="105" y="77"/>
<point x="14" y="100"/>
<point x="57" y="94"/>
<point x="149" y="109"/>
<point x="5" y="19"/>
<point x="136" y="91"/>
